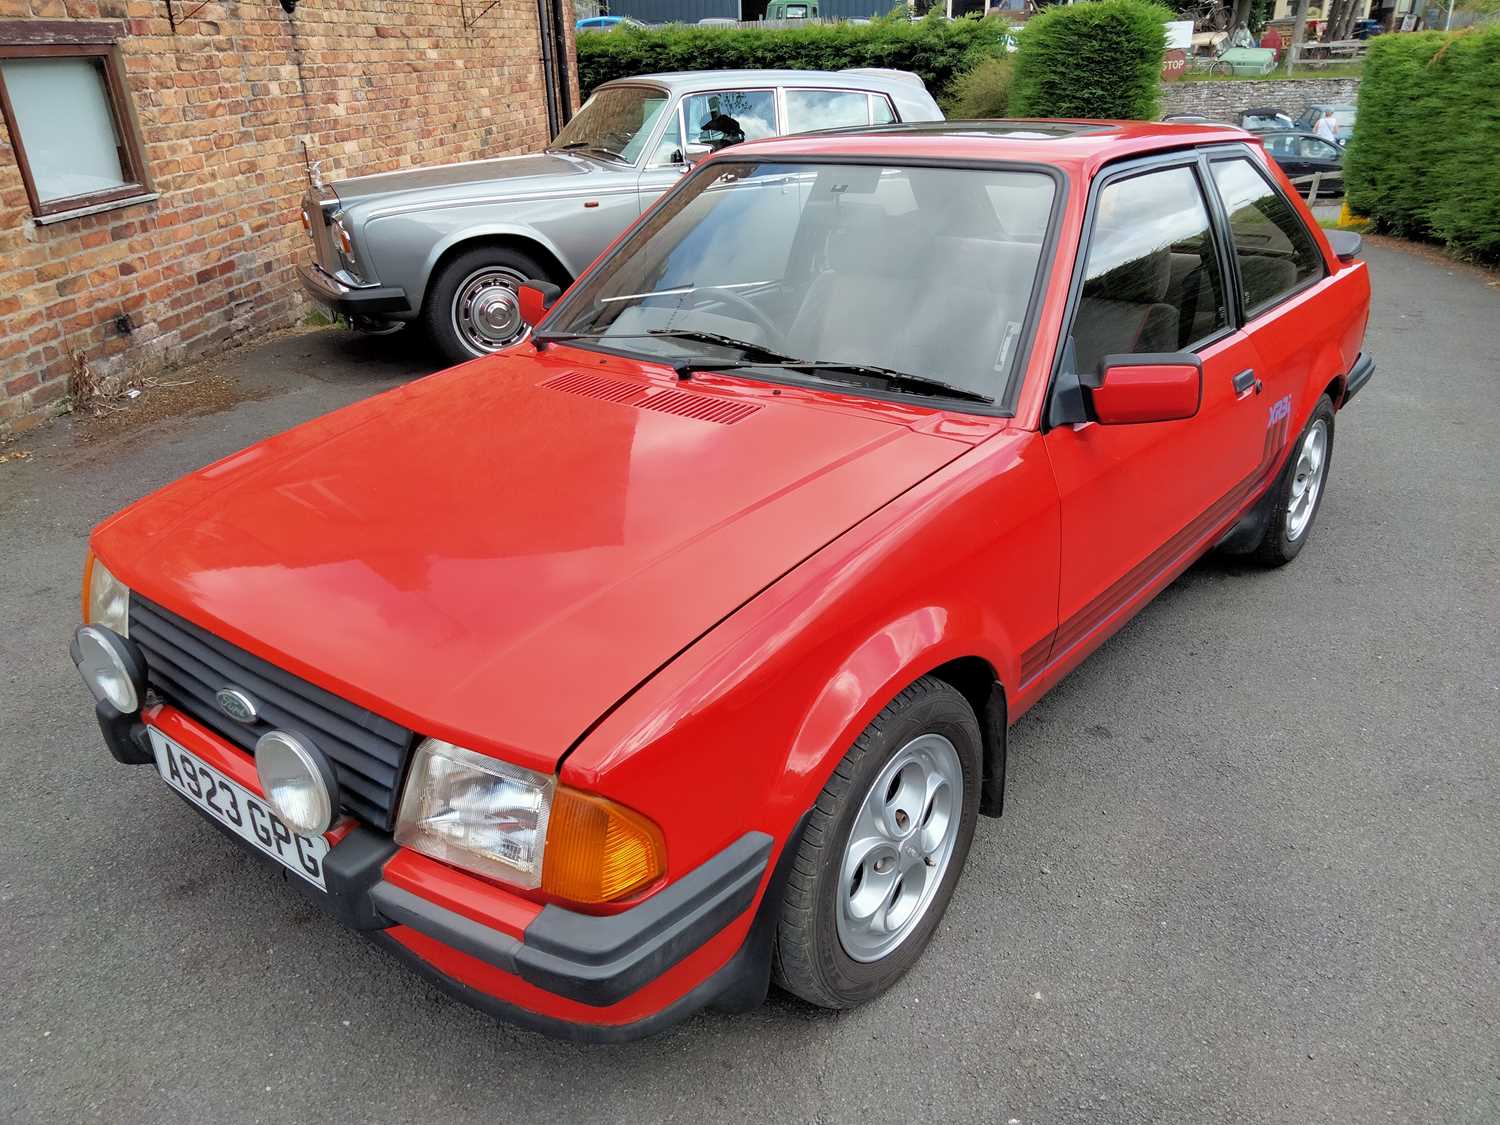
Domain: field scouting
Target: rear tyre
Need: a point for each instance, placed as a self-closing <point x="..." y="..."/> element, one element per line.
<point x="471" y="309"/>
<point x="1300" y="490"/>
<point x="882" y="850"/>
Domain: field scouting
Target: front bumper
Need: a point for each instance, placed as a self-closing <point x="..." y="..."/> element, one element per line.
<point x="595" y="978"/>
<point x="371" y="303"/>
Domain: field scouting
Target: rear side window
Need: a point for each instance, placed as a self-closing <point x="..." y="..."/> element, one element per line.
<point x="807" y="110"/>
<point x="1276" y="255"/>
<point x="1153" y="281"/>
<point x="881" y="112"/>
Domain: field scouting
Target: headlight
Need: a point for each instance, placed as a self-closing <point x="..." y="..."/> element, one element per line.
<point x="520" y="826"/>
<point x="106" y="600"/>
<point x="108" y="668"/>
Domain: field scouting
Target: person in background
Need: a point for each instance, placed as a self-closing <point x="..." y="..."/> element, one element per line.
<point x="1271" y="40"/>
<point x="1327" y="127"/>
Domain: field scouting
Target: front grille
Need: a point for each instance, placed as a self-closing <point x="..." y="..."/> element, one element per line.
<point x="187" y="666"/>
<point x="324" y="251"/>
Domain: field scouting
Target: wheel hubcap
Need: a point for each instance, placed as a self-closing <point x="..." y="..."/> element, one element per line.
<point x="1307" y="479"/>
<point x="899" y="847"/>
<point x="486" y="310"/>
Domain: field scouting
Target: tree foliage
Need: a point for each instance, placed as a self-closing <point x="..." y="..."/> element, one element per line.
<point x="1100" y="59"/>
<point x="1422" y="159"/>
<point x="939" y="50"/>
<point x="981" y="92"/>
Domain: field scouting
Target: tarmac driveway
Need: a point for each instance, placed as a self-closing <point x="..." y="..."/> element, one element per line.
<point x="1250" y="869"/>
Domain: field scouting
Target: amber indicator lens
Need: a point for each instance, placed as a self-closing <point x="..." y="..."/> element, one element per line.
<point x="598" y="851"/>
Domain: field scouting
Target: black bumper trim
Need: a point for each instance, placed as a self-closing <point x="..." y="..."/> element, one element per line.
<point x="372" y="301"/>
<point x="1359" y="375"/>
<point x="600" y="959"/>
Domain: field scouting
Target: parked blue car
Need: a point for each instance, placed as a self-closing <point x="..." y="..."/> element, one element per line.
<point x="606" y="23"/>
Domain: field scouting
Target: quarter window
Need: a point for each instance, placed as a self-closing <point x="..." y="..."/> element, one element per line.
<point x="69" y="125"/>
<point x="728" y="117"/>
<point x="1275" y="253"/>
<point x="881" y="112"/>
<point x="1153" y="281"/>
<point x="807" y="110"/>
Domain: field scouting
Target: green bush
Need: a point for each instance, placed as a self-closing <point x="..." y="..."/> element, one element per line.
<point x="1423" y="158"/>
<point x="1091" y="60"/>
<point x="938" y="50"/>
<point x="981" y="92"/>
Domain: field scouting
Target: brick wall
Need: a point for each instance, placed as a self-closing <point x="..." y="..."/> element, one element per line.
<point x="1227" y="99"/>
<point x="225" y="106"/>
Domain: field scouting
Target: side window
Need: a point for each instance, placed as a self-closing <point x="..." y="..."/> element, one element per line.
<point x="807" y="110"/>
<point x="1318" y="149"/>
<point x="728" y="117"/>
<point x="669" y="148"/>
<point x="1278" y="145"/>
<point x="881" y="112"/>
<point x="1275" y="253"/>
<point x="1152" y="281"/>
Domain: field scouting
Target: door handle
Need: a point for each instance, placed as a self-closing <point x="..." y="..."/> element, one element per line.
<point x="1245" y="382"/>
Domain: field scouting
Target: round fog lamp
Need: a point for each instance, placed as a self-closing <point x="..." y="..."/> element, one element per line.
<point x="101" y="663"/>
<point x="297" y="781"/>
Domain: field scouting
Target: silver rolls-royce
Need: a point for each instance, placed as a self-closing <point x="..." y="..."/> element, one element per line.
<point x="445" y="247"/>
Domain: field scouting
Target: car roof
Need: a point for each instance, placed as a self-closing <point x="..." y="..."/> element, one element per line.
<point x="1077" y="144"/>
<point x="692" y="80"/>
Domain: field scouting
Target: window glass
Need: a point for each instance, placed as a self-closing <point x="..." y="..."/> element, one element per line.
<point x="63" y="112"/>
<point x="909" y="268"/>
<point x="614" y="122"/>
<point x="807" y="110"/>
<point x="728" y="117"/>
<point x="881" y="112"/>
<point x="1153" y="281"/>
<point x="1317" y="149"/>
<point x="670" y="145"/>
<point x="1274" y="250"/>
<point x="1280" y="145"/>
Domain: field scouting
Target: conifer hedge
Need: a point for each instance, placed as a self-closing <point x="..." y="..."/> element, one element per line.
<point x="1424" y="160"/>
<point x="1100" y="59"/>
<point x="939" y="50"/>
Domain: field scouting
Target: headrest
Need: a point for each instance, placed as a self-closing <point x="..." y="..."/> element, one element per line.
<point x="1142" y="281"/>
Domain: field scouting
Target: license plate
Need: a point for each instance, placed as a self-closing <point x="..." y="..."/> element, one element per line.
<point x="238" y="809"/>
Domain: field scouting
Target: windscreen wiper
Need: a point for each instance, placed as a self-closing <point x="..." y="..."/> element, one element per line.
<point x="764" y="356"/>
<point x="586" y="146"/>
<point x="895" y="380"/>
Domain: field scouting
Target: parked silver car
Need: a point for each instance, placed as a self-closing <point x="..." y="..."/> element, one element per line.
<point x="446" y="246"/>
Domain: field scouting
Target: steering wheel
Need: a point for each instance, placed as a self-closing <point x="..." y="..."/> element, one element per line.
<point x="723" y="296"/>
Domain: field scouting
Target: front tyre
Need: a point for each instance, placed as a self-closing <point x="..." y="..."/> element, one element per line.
<point x="1300" y="491"/>
<point x="472" y="309"/>
<point x="882" y="850"/>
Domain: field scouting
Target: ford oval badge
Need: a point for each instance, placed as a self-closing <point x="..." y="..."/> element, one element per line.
<point x="237" y="705"/>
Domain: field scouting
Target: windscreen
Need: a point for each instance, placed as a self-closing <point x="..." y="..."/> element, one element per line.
<point x="614" y="123"/>
<point x="928" y="271"/>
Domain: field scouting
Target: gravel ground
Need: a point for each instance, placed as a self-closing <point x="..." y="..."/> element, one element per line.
<point x="1250" y="870"/>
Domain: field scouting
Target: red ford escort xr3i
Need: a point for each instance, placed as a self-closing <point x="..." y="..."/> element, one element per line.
<point x="672" y="651"/>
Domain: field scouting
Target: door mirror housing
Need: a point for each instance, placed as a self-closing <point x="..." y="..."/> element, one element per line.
<point x="535" y="298"/>
<point x="1345" y="244"/>
<point x="692" y="153"/>
<point x="1145" y="388"/>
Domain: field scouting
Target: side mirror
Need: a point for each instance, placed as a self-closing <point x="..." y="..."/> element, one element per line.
<point x="1145" y="388"/>
<point x="535" y="298"/>
<point x="1345" y="244"/>
<point x="693" y="153"/>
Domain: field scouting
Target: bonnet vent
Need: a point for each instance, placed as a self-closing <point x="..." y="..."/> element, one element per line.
<point x="685" y="404"/>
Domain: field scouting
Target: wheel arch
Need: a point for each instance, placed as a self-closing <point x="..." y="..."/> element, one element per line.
<point x="924" y="642"/>
<point x="521" y="240"/>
